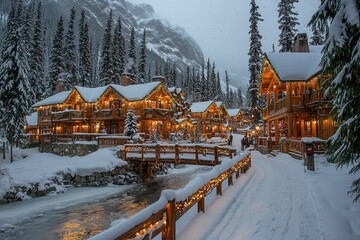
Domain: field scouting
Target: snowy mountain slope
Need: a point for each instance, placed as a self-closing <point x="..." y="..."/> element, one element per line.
<point x="164" y="42"/>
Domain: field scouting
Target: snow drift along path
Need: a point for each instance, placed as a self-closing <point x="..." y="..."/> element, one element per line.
<point x="275" y="199"/>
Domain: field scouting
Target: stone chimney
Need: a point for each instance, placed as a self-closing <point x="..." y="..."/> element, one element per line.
<point x="301" y="43"/>
<point x="126" y="79"/>
<point x="60" y="86"/>
<point x="161" y="79"/>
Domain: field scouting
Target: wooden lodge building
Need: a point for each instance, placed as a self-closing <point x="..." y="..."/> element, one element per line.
<point x="102" y="111"/>
<point x="290" y="83"/>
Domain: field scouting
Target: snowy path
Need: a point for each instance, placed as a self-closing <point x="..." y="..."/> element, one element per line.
<point x="277" y="200"/>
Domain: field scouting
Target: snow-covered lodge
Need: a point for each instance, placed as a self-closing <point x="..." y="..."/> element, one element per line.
<point x="290" y="83"/>
<point x="102" y="110"/>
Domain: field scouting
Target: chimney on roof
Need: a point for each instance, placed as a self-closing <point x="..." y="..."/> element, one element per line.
<point x="60" y="86"/>
<point x="301" y="43"/>
<point x="126" y="79"/>
<point x="161" y="79"/>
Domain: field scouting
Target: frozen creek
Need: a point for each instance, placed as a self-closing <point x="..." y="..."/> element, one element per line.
<point x="64" y="220"/>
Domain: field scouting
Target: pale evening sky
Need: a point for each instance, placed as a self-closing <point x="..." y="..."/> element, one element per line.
<point x="221" y="28"/>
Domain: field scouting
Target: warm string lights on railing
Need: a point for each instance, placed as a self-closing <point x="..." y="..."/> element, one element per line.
<point x="149" y="228"/>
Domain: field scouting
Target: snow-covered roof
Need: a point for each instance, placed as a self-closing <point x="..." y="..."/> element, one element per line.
<point x="54" y="99"/>
<point x="32" y="119"/>
<point x="218" y="104"/>
<point x="295" y="66"/>
<point x="175" y="90"/>
<point x="135" y="92"/>
<point x="233" y="112"/>
<point x="199" y="107"/>
<point x="91" y="94"/>
<point x="131" y="93"/>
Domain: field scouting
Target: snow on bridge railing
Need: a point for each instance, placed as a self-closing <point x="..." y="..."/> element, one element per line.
<point x="161" y="216"/>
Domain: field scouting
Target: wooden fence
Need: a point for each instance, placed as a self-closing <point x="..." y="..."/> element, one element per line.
<point x="163" y="221"/>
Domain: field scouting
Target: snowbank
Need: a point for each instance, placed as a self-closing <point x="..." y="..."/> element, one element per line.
<point x="31" y="166"/>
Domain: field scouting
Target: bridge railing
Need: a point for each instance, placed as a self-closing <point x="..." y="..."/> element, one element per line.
<point x="161" y="216"/>
<point x="200" y="154"/>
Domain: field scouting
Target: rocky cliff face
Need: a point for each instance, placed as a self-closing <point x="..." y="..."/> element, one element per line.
<point x="164" y="42"/>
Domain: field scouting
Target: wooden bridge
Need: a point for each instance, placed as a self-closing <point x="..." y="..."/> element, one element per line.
<point x="148" y="155"/>
<point x="161" y="216"/>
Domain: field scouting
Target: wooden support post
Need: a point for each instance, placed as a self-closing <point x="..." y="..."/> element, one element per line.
<point x="148" y="170"/>
<point x="141" y="170"/>
<point x="230" y="154"/>
<point x="201" y="205"/>
<point x="230" y="180"/>
<point x="196" y="154"/>
<point x="169" y="232"/>
<point x="177" y="158"/>
<point x="3" y="150"/>
<point x="11" y="152"/>
<point x="216" y="155"/>
<point x="219" y="189"/>
<point x="237" y="175"/>
<point x="142" y="153"/>
<point x="157" y="154"/>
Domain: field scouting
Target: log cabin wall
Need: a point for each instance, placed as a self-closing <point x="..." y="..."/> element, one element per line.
<point x="294" y="108"/>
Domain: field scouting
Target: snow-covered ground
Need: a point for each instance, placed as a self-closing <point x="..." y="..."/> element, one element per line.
<point x="277" y="199"/>
<point x="31" y="166"/>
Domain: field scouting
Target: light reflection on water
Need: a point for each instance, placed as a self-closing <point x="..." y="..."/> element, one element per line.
<point x="87" y="219"/>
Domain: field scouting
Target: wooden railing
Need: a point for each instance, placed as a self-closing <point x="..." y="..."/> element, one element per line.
<point x="68" y="115"/>
<point x="295" y="146"/>
<point x="280" y="104"/>
<point x="109" y="113"/>
<point x="161" y="216"/>
<point x="198" y="154"/>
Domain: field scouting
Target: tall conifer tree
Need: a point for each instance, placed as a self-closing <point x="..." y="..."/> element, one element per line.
<point x="131" y="62"/>
<point x="85" y="65"/>
<point x="37" y="58"/>
<point x="287" y="19"/>
<point x="142" y="59"/>
<point x="57" y="66"/>
<point x="69" y="51"/>
<point x="118" y="51"/>
<point x="106" y="68"/>
<point x="15" y="91"/>
<point x="341" y="61"/>
<point x="255" y="56"/>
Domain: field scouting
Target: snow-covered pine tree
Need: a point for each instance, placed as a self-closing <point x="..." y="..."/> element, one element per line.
<point x="173" y="75"/>
<point x="317" y="37"/>
<point x="187" y="81"/>
<point x="131" y="61"/>
<point x="69" y="51"/>
<point x="118" y="51"/>
<point x="341" y="61"/>
<point x="56" y="58"/>
<point x="37" y="58"/>
<point x="212" y="83"/>
<point x="218" y="95"/>
<point x="255" y="58"/>
<point x="142" y="59"/>
<point x="287" y="19"/>
<point x="15" y="91"/>
<point x="85" y="66"/>
<point x="227" y="90"/>
<point x="131" y="127"/>
<point x="193" y="83"/>
<point x="240" y="99"/>
<point x="197" y="88"/>
<point x="149" y="74"/>
<point x="106" y="68"/>
<point x="204" y="86"/>
<point x="207" y="84"/>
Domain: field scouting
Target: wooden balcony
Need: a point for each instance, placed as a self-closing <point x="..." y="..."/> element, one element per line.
<point x="68" y="115"/>
<point x="104" y="114"/>
<point x="160" y="113"/>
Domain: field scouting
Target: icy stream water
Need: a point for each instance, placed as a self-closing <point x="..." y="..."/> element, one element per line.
<point x="84" y="220"/>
